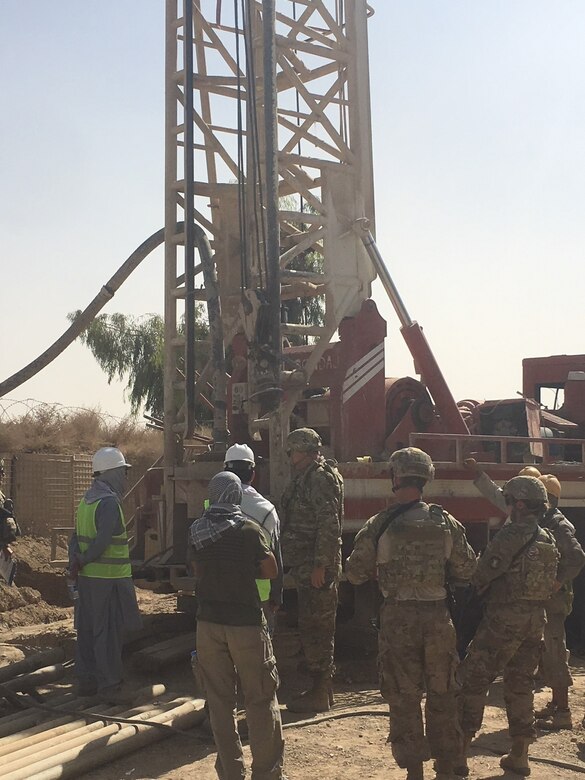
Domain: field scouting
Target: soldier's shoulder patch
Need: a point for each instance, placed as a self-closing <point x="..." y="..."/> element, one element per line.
<point x="495" y="562"/>
<point x="533" y="553"/>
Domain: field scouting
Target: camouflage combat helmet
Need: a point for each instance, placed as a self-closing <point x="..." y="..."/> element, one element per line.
<point x="304" y="440"/>
<point x="412" y="462"/>
<point x="525" y="489"/>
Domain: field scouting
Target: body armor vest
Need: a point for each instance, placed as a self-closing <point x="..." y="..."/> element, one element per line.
<point x="532" y="575"/>
<point x="413" y="551"/>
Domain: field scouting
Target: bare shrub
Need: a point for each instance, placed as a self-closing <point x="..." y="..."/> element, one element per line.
<point x="49" y="428"/>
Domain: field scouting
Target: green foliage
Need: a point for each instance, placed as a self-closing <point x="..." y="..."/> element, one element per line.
<point x="306" y="311"/>
<point x="131" y="348"/>
<point x="310" y="310"/>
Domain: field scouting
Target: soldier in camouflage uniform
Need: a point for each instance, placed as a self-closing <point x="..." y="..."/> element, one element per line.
<point x="516" y="575"/>
<point x="556" y="714"/>
<point x="413" y="550"/>
<point x="312" y="519"/>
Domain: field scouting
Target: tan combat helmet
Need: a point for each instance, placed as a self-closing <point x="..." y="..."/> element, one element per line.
<point x="525" y="489"/>
<point x="412" y="462"/>
<point x="529" y="471"/>
<point x="304" y="440"/>
<point x="551" y="485"/>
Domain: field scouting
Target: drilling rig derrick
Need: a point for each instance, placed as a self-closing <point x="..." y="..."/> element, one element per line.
<point x="268" y="156"/>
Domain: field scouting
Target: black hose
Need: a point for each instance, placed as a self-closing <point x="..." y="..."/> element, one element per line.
<point x="384" y="714"/>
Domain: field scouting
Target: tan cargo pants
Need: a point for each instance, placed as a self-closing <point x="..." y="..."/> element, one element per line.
<point x="417" y="654"/>
<point x="508" y="642"/>
<point x="226" y="653"/>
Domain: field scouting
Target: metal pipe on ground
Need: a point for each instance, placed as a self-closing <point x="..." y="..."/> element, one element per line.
<point x="49" y="729"/>
<point x="36" y="661"/>
<point x="12" y="725"/>
<point x="77" y="733"/>
<point x="72" y="763"/>
<point x="26" y="682"/>
<point x="23" y="765"/>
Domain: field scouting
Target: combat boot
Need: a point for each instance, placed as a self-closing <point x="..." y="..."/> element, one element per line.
<point x="415" y="772"/>
<point x="517" y="759"/>
<point x="317" y="699"/>
<point x="557" y="721"/>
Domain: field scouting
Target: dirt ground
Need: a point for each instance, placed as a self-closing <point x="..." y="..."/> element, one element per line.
<point x="352" y="747"/>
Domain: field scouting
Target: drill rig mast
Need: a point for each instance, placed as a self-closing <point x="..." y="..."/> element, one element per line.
<point x="268" y="156"/>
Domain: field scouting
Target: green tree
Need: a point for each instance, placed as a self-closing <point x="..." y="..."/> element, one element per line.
<point x="131" y="348"/>
<point x="309" y="310"/>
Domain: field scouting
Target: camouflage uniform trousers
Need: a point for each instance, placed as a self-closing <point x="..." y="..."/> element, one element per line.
<point x="417" y="653"/>
<point x="317" y="611"/>
<point x="508" y="641"/>
<point x="555" y="656"/>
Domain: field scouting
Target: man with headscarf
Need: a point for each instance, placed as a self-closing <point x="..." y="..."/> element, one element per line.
<point x="229" y="551"/>
<point x="99" y="560"/>
<point x="240" y="460"/>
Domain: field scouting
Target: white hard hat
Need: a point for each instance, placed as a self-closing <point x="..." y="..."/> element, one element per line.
<point x="239" y="452"/>
<point x="108" y="458"/>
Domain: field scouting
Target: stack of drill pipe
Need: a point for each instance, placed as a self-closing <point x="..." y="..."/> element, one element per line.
<point x="77" y="753"/>
<point x="31" y="716"/>
<point x="33" y="722"/>
<point x="36" y="661"/>
<point x="38" y="742"/>
<point x="164" y="654"/>
<point x="26" y="682"/>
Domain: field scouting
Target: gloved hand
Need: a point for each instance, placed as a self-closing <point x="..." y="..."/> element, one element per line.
<point x="471" y="465"/>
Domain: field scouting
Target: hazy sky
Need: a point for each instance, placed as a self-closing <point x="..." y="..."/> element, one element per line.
<point x="479" y="150"/>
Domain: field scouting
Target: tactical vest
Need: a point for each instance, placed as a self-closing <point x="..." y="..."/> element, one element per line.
<point x="416" y="552"/>
<point x="115" y="560"/>
<point x="532" y="575"/>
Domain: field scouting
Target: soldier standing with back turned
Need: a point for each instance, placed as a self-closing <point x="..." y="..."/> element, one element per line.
<point x="414" y="549"/>
<point x="312" y="519"/>
<point x="556" y="714"/>
<point x="516" y="573"/>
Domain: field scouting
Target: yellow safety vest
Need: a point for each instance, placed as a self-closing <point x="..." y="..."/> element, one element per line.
<point x="115" y="560"/>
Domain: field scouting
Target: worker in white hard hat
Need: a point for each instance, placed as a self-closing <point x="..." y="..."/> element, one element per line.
<point x="240" y="460"/>
<point x="99" y="560"/>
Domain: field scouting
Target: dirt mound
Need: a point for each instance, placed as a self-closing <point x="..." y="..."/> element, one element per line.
<point x="39" y="593"/>
<point x="25" y="606"/>
<point x="35" y="571"/>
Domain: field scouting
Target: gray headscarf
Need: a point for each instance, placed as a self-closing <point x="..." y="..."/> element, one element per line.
<point x="225" y="489"/>
<point x="223" y="513"/>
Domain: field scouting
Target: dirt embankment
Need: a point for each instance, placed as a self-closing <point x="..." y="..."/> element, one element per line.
<point x="39" y="593"/>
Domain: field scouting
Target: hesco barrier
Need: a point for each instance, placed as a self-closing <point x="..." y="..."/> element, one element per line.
<point x="46" y="489"/>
